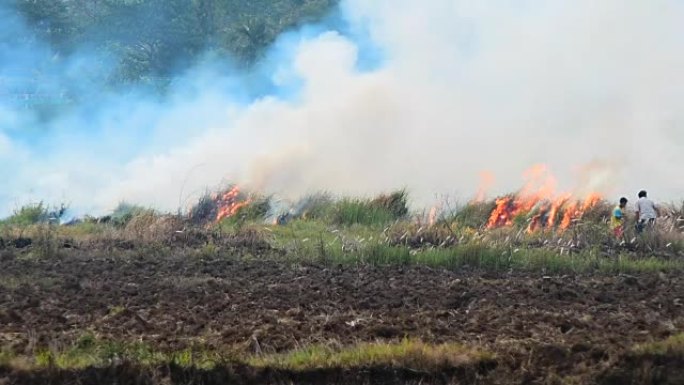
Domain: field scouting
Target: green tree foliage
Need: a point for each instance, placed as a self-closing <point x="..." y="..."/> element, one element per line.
<point x="49" y="19"/>
<point x="155" y="38"/>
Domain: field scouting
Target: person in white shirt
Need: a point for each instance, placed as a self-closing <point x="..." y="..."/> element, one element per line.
<point x="646" y="212"/>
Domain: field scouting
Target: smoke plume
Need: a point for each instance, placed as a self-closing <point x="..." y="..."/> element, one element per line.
<point x="418" y="94"/>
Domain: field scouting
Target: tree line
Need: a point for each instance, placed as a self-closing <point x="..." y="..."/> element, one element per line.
<point x="155" y="38"/>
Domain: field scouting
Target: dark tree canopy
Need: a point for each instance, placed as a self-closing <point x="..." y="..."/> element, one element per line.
<point x="157" y="37"/>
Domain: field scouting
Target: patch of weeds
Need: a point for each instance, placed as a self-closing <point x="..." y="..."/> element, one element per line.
<point x="474" y="215"/>
<point x="204" y="211"/>
<point x="28" y="215"/>
<point x="672" y="347"/>
<point x="44" y="358"/>
<point x="316" y="207"/>
<point x="45" y="241"/>
<point x="370" y="212"/>
<point x="209" y="250"/>
<point x="499" y="259"/>
<point x="116" y="310"/>
<point x="6" y="357"/>
<point x="125" y="212"/>
<point x="88" y="351"/>
<point x="379" y="254"/>
<point x="408" y="353"/>
<point x="350" y="211"/>
<point x="396" y="203"/>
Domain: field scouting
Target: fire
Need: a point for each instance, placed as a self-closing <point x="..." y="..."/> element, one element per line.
<point x="229" y="203"/>
<point x="538" y="199"/>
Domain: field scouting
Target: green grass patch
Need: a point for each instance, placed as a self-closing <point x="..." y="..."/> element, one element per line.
<point x="484" y="257"/>
<point x="350" y="211"/>
<point x="317" y="241"/>
<point x="407" y="354"/>
<point x="312" y="240"/>
<point x="125" y="212"/>
<point x="473" y="215"/>
<point x="347" y="211"/>
<point x="28" y="215"/>
<point x="671" y="347"/>
<point x="13" y="282"/>
<point x="6" y="357"/>
<point x="90" y="352"/>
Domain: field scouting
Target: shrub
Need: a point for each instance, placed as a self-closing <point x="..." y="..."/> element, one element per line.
<point x="315" y="206"/>
<point x="204" y="211"/>
<point x="350" y="211"/>
<point x="45" y="241"/>
<point x="378" y="211"/>
<point x="124" y="212"/>
<point x="396" y="203"/>
<point x="475" y="215"/>
<point x="29" y="215"/>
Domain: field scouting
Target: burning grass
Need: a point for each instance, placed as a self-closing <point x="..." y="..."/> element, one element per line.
<point x="375" y="231"/>
<point x="539" y="206"/>
<point x="236" y="206"/>
<point x="231" y="204"/>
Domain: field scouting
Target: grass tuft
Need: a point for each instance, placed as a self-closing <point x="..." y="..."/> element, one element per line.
<point x="377" y="211"/>
<point x="125" y="212"/>
<point x="33" y="214"/>
<point x="349" y="211"/>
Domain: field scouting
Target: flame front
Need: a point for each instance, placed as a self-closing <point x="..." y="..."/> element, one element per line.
<point x="538" y="199"/>
<point x="229" y="203"/>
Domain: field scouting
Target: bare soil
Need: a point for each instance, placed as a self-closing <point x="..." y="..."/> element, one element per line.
<point x="542" y="329"/>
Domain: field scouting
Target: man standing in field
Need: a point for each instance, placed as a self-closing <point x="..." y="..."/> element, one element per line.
<point x="617" y="218"/>
<point x="646" y="212"/>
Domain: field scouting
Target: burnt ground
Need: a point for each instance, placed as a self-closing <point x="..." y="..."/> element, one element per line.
<point x="541" y="328"/>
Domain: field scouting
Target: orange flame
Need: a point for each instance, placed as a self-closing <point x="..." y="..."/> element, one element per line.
<point x="230" y="203"/>
<point x="503" y="213"/>
<point x="538" y="198"/>
<point x="556" y="207"/>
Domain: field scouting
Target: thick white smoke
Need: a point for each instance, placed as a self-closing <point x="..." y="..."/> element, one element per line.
<point x="464" y="86"/>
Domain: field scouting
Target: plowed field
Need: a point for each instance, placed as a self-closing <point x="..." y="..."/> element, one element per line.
<point x="541" y="328"/>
